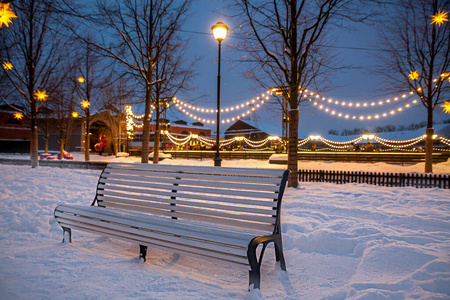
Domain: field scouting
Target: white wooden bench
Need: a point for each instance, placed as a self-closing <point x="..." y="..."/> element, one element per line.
<point x="209" y="212"/>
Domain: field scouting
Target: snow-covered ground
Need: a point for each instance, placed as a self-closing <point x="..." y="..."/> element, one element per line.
<point x="340" y="241"/>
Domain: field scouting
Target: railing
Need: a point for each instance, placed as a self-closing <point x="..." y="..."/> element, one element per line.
<point x="382" y="179"/>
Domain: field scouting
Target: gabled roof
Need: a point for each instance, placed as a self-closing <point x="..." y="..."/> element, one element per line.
<point x="180" y="122"/>
<point x="242" y="128"/>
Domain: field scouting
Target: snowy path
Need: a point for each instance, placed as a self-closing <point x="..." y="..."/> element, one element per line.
<point x="340" y="241"/>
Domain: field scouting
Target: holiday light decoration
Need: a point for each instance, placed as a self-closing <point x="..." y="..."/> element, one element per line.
<point x="41" y="96"/>
<point x="85" y="104"/>
<point x="18" y="115"/>
<point x="439" y="18"/>
<point x="192" y="111"/>
<point x="6" y="14"/>
<point x="363" y="117"/>
<point x="224" y="143"/>
<point x="7" y="66"/>
<point x="446" y="107"/>
<point x="413" y="75"/>
<point x="80" y="79"/>
<point x="74" y="114"/>
<point x="445" y="141"/>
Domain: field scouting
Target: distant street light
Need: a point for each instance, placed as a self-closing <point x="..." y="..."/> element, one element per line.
<point x="220" y="32"/>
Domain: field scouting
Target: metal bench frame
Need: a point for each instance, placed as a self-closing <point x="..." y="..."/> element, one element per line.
<point x="127" y="224"/>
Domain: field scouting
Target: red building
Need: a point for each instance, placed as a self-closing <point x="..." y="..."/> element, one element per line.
<point x="14" y="134"/>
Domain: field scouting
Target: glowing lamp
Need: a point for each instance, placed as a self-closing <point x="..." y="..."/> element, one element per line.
<point x="413" y="75"/>
<point x="6" y="14"/>
<point x="18" y="115"/>
<point x="80" y="79"/>
<point x="239" y="138"/>
<point x="439" y="18"/>
<point x="7" y="66"/>
<point x="368" y="136"/>
<point x="220" y="31"/>
<point x="273" y="138"/>
<point x="85" y="104"/>
<point x="194" y="136"/>
<point x="41" y="96"/>
<point x="74" y="114"/>
<point x="314" y="137"/>
<point x="446" y="107"/>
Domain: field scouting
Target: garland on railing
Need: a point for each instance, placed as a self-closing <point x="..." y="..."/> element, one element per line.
<point x="334" y="146"/>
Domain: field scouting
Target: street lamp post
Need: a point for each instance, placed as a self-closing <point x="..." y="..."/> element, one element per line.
<point x="220" y="32"/>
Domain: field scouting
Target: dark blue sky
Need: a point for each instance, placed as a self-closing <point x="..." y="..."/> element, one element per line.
<point x="359" y="84"/>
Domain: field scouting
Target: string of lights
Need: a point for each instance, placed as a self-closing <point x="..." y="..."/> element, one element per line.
<point x="359" y="104"/>
<point x="445" y="141"/>
<point x="357" y="140"/>
<point x="363" y="117"/>
<point x="397" y="146"/>
<point x="419" y="138"/>
<point x="192" y="111"/>
<point x="240" y="106"/>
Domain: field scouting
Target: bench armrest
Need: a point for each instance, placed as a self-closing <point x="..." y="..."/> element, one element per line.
<point x="255" y="264"/>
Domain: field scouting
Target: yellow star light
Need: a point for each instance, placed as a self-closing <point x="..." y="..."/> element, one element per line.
<point x="7" y="66"/>
<point x="85" y="104"/>
<point x="18" y="115"/>
<point x="446" y="107"/>
<point x="74" y="114"/>
<point x="439" y="18"/>
<point x="80" y="79"/>
<point x="41" y="96"/>
<point x="6" y="14"/>
<point x="413" y="75"/>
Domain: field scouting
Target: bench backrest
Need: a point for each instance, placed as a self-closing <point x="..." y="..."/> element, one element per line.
<point x="243" y="198"/>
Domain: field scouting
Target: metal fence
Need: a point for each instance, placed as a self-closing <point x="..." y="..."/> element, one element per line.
<point x="383" y="179"/>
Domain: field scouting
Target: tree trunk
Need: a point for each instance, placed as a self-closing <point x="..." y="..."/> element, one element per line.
<point x="156" y="147"/>
<point x="429" y="150"/>
<point x="293" y="148"/>
<point x="146" y="128"/>
<point x="34" y="145"/>
<point x="87" y="141"/>
<point x="61" y="148"/>
<point x="429" y="138"/>
<point x="46" y="143"/>
<point x="156" y="138"/>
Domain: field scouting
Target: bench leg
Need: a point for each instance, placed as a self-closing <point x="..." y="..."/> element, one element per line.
<point x="255" y="263"/>
<point x="67" y="235"/>
<point x="279" y="255"/>
<point x="143" y="252"/>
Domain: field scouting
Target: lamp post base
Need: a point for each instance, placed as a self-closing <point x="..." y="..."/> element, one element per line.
<point x="217" y="161"/>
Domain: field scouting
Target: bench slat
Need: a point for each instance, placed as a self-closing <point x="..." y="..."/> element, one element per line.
<point x="195" y="182"/>
<point x="154" y="231"/>
<point x="195" y="229"/>
<point x="234" y="223"/>
<point x="209" y="177"/>
<point x="273" y="204"/>
<point x="201" y="253"/>
<point x="198" y="210"/>
<point x="202" y="190"/>
<point x="157" y="237"/>
<point x="132" y="199"/>
<point x="278" y="173"/>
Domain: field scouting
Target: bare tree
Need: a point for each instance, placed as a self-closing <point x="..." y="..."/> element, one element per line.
<point x="284" y="37"/>
<point x="142" y="29"/>
<point x="419" y="52"/>
<point x="32" y="46"/>
<point x="92" y="76"/>
<point x="172" y="75"/>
